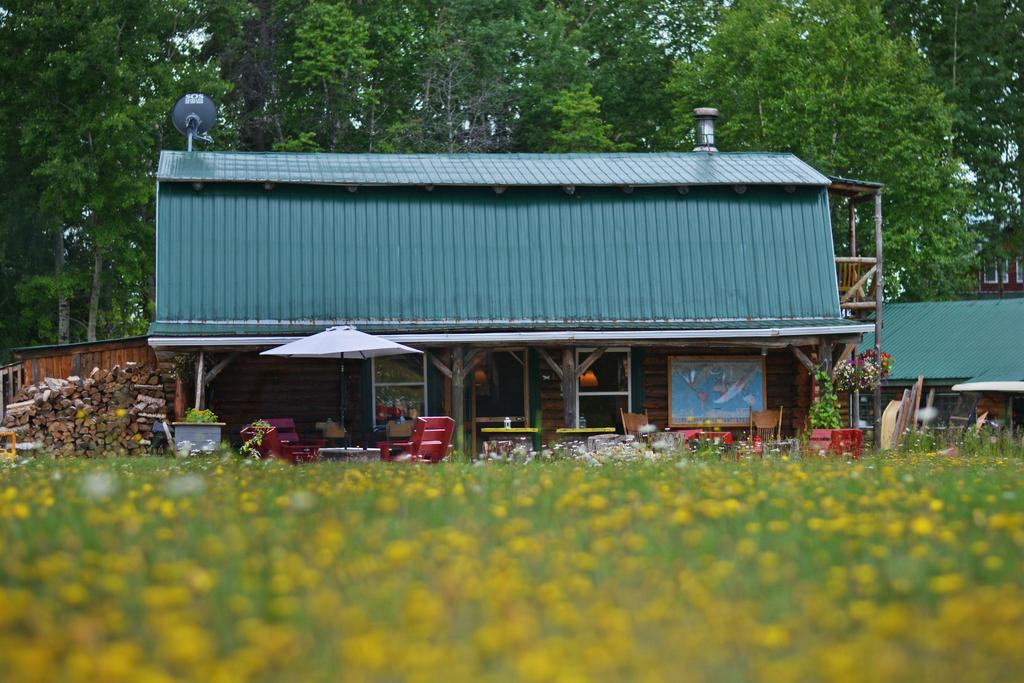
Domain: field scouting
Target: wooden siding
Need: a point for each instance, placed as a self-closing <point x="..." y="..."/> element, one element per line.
<point x="12" y="377"/>
<point x="307" y="390"/>
<point x="80" y="359"/>
<point x="788" y="384"/>
<point x="552" y="409"/>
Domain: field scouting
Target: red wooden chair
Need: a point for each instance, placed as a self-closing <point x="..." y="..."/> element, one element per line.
<point x="837" y="442"/>
<point x="290" y="435"/>
<point x="724" y="438"/>
<point x="431" y="437"/>
<point x="272" y="446"/>
<point x="847" y="441"/>
<point x="820" y="441"/>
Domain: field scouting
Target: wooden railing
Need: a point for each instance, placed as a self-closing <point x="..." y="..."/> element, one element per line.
<point x="857" y="282"/>
<point x="11" y="378"/>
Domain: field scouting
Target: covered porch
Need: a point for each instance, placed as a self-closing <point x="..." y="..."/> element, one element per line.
<point x="540" y="379"/>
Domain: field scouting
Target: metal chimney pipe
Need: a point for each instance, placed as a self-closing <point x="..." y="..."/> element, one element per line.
<point x="705" y="118"/>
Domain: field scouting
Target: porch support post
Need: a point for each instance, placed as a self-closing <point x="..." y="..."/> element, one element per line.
<point x="459" y="396"/>
<point x="825" y="356"/>
<point x="845" y="351"/>
<point x="853" y="226"/>
<point x="199" y="381"/>
<point x="542" y="352"/>
<point x="441" y="367"/>
<point x="879" y="291"/>
<point x="802" y="357"/>
<point x="217" y="369"/>
<point x="592" y="358"/>
<point x="569" y="385"/>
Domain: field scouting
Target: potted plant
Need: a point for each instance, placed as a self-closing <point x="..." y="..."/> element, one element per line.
<point x="827" y="434"/>
<point x="253" y="434"/>
<point x="862" y="373"/>
<point x="199" y="432"/>
<point x="824" y="412"/>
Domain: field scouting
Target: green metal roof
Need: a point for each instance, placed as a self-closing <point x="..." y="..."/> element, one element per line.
<point x="854" y="181"/>
<point x="466" y="258"/>
<point x="160" y="329"/>
<point x="511" y="170"/>
<point x="954" y="340"/>
<point x="75" y="345"/>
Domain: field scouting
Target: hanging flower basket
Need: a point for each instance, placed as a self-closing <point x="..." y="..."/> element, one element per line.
<point x="862" y="373"/>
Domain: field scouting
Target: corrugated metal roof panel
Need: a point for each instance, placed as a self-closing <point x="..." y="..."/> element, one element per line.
<point x="404" y="257"/>
<point x="654" y="169"/>
<point x="954" y="340"/>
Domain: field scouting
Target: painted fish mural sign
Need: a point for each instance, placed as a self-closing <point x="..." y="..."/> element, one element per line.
<point x="719" y="391"/>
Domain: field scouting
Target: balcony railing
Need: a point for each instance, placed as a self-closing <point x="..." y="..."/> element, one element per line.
<point x="857" y="282"/>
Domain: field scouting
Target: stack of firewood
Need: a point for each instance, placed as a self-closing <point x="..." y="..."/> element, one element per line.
<point x="109" y="412"/>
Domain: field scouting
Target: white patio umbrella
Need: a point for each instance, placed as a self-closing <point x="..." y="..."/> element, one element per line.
<point x="340" y="342"/>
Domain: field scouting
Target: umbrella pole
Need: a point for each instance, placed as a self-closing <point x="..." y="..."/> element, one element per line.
<point x="344" y="389"/>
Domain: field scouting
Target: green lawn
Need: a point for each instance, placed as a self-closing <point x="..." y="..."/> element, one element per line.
<point x="903" y="567"/>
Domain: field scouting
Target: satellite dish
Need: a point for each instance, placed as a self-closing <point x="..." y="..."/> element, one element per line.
<point x="193" y="115"/>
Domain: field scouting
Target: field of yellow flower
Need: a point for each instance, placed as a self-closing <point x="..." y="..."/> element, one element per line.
<point x="898" y="568"/>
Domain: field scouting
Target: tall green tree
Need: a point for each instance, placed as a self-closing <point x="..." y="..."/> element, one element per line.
<point x="331" y="70"/>
<point x="91" y="83"/>
<point x="828" y="82"/>
<point x="624" y="48"/>
<point x="976" y="52"/>
<point x="580" y="127"/>
<point x="468" y="73"/>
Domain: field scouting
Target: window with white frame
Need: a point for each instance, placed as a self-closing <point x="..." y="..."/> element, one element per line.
<point x="992" y="273"/>
<point x="399" y="388"/>
<point x="1020" y="273"/>
<point x="603" y="389"/>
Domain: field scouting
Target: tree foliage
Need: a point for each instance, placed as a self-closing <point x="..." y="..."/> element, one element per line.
<point x="580" y="127"/>
<point x="828" y="82"/>
<point x="923" y="95"/>
<point x="976" y="51"/>
<point x="88" y="86"/>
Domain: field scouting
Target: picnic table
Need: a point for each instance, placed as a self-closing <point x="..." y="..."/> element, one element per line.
<point x="584" y="431"/>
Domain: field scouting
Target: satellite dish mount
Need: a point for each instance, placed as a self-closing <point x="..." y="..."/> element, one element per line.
<point x="193" y="115"/>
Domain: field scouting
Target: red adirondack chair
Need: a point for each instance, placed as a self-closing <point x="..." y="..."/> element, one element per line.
<point x="272" y="446"/>
<point x="431" y="437"/>
<point x="290" y="435"/>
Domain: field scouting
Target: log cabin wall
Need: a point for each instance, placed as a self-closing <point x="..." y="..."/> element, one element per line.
<point x="61" y="362"/>
<point x="307" y="390"/>
<point x="788" y="384"/>
<point x="552" y="409"/>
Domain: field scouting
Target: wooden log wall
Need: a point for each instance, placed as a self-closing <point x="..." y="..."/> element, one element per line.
<point x="307" y="390"/>
<point x="80" y="359"/>
<point x="552" y="409"/>
<point x="788" y="384"/>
